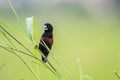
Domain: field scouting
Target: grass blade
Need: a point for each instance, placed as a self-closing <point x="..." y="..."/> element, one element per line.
<point x="12" y="51"/>
<point x="80" y="69"/>
<point x="57" y="60"/>
<point x="3" y="22"/>
<point x="7" y="38"/>
<point x="49" y="63"/>
<point x="62" y="66"/>
<point x="50" y="70"/>
<point x="15" y="39"/>
<point x="31" y="28"/>
<point x="11" y="6"/>
<point x="117" y="74"/>
<point x="88" y="77"/>
<point x="30" y="68"/>
<point x="10" y="35"/>
<point x="7" y="48"/>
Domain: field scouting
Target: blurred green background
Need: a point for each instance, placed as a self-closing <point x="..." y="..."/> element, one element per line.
<point x="85" y="29"/>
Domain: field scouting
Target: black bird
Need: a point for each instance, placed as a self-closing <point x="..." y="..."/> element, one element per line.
<point x="47" y="37"/>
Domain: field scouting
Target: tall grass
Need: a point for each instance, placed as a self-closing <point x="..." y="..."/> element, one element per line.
<point x="117" y="74"/>
<point x="11" y="48"/>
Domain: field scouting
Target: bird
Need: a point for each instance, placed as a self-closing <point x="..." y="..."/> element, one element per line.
<point x="46" y="39"/>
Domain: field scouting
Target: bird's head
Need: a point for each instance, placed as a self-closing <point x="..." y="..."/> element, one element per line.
<point x="48" y="27"/>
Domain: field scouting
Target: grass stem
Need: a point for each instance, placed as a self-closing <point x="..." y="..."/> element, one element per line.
<point x="12" y="51"/>
<point x="117" y="75"/>
<point x="11" y="6"/>
<point x="80" y="69"/>
<point x="15" y="39"/>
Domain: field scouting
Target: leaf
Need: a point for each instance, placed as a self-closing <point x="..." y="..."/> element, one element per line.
<point x="31" y="28"/>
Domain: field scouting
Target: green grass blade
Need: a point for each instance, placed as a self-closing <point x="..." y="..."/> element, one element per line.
<point x="12" y="51"/>
<point x="58" y="61"/>
<point x="34" y="58"/>
<point x="7" y="38"/>
<point x="35" y="32"/>
<point x="22" y="52"/>
<point x="31" y="29"/>
<point x="63" y="67"/>
<point x="30" y="68"/>
<point x="49" y="64"/>
<point x="117" y="74"/>
<point x="88" y="77"/>
<point x="11" y="6"/>
<point x="3" y="22"/>
<point x="49" y="69"/>
<point x="53" y="71"/>
<point x="80" y="69"/>
<point x="9" y="34"/>
<point x="7" y="48"/>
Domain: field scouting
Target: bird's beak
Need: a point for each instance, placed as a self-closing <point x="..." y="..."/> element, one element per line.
<point x="45" y="27"/>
